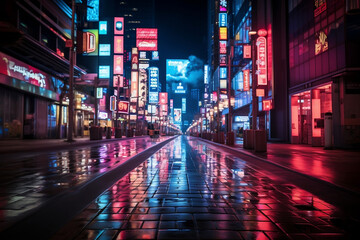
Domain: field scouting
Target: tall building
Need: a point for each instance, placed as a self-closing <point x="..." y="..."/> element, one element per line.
<point x="34" y="68"/>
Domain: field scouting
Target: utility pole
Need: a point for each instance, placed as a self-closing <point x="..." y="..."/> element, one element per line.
<point x="71" y="77"/>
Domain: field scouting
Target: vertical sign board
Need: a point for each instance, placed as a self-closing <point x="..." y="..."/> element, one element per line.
<point x="134" y="84"/>
<point x="183" y="105"/>
<point x="163" y="98"/>
<point x="153" y="85"/>
<point x="177" y="115"/>
<point x="102" y="27"/>
<point x="206" y="74"/>
<point x="222" y="19"/>
<point x="247" y="51"/>
<point x="246" y="79"/>
<point x="261" y="60"/>
<point x="118" y="64"/>
<point x="119" y="26"/>
<point x="119" y="44"/>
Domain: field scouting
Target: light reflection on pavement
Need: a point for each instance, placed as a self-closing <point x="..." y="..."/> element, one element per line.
<point x="191" y="190"/>
<point x="29" y="181"/>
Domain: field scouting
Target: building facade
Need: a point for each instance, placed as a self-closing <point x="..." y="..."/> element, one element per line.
<point x="34" y="68"/>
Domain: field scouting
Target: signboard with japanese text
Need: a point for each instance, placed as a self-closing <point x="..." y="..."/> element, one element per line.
<point x="222" y="47"/>
<point x="123" y="107"/>
<point x="223" y="33"/>
<point x="246" y="73"/>
<point x="247" y="51"/>
<point x="104" y="71"/>
<point x="118" y="44"/>
<point x="222" y="19"/>
<point x="14" y="68"/>
<point x="146" y="33"/>
<point x="134" y="84"/>
<point x="261" y="61"/>
<point x="102" y="27"/>
<point x="147" y="44"/>
<point x="104" y="49"/>
<point x="153" y="84"/>
<point x="118" y="64"/>
<point x="163" y="98"/>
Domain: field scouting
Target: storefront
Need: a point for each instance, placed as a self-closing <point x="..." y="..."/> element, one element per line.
<point x="308" y="110"/>
<point x="27" y="97"/>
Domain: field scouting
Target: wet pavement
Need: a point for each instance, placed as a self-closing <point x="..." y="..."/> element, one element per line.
<point x="29" y="180"/>
<point x="339" y="167"/>
<point x="191" y="189"/>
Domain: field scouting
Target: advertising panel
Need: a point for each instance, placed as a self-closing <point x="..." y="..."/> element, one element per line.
<point x="142" y="87"/>
<point x="147" y="44"/>
<point x="92" y="14"/>
<point x="102" y="27"/>
<point x="267" y="105"/>
<point x="99" y="93"/>
<point x="118" y="81"/>
<point x="134" y="59"/>
<point x="183" y="105"/>
<point x="223" y="72"/>
<point x="119" y="44"/>
<point x="222" y="47"/>
<point x="206" y="74"/>
<point x="222" y="19"/>
<point x="119" y="26"/>
<point x="246" y="79"/>
<point x="146" y="33"/>
<point x="261" y="61"/>
<point x="222" y="60"/>
<point x="134" y="84"/>
<point x="163" y="98"/>
<point x="223" y="84"/>
<point x="90" y="42"/>
<point x="176" y="74"/>
<point x="223" y="5"/>
<point x="104" y="49"/>
<point x="177" y="115"/>
<point x="153" y="85"/>
<point x="223" y="33"/>
<point x="14" y="68"/>
<point x="118" y="64"/>
<point x="247" y="51"/>
<point x="155" y="55"/>
<point x="112" y="103"/>
<point x="104" y="71"/>
<point x="123" y="107"/>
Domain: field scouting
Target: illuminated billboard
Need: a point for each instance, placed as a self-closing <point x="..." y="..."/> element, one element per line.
<point x="163" y="98"/>
<point x="183" y="105"/>
<point x="123" y="107"/>
<point x="176" y="74"/>
<point x="223" y="19"/>
<point x="146" y="33"/>
<point x="118" y="64"/>
<point x="177" y="115"/>
<point x="104" y="71"/>
<point x="92" y="10"/>
<point x="119" y="26"/>
<point x="153" y="85"/>
<point x="146" y="44"/>
<point x="223" y="33"/>
<point x="134" y="84"/>
<point x="104" y="49"/>
<point x="119" y="44"/>
<point x="90" y="42"/>
<point x="102" y="27"/>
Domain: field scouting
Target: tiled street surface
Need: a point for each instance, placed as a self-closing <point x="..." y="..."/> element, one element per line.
<point x="190" y="190"/>
<point x="28" y="180"/>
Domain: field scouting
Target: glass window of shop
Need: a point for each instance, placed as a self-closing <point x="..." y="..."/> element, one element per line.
<point x="11" y="115"/>
<point x="308" y="110"/>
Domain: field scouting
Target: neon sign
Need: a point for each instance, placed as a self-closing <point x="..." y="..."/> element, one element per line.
<point x="261" y="61"/>
<point x="246" y="79"/>
<point x="102" y="27"/>
<point x="119" y="25"/>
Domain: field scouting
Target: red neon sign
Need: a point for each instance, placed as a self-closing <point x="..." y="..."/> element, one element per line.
<point x="163" y="98"/>
<point x="262" y="32"/>
<point x="123" y="107"/>
<point x="222" y="47"/>
<point x="146" y="44"/>
<point x="246" y="79"/>
<point x="261" y="60"/>
<point x="267" y="105"/>
<point x="247" y="51"/>
<point x="146" y="33"/>
<point x="119" y="25"/>
<point x="119" y="44"/>
<point x="118" y="64"/>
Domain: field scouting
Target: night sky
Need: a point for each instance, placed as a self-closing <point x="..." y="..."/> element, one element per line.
<point x="182" y="30"/>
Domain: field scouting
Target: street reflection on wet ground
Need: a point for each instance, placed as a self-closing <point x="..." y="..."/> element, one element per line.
<point x="28" y="182"/>
<point x="189" y="189"/>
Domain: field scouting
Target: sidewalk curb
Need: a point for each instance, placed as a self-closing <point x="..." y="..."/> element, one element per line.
<point x="342" y="188"/>
<point x="63" y="144"/>
<point x="51" y="217"/>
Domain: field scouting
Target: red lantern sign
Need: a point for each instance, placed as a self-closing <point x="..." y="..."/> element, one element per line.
<point x="267" y="105"/>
